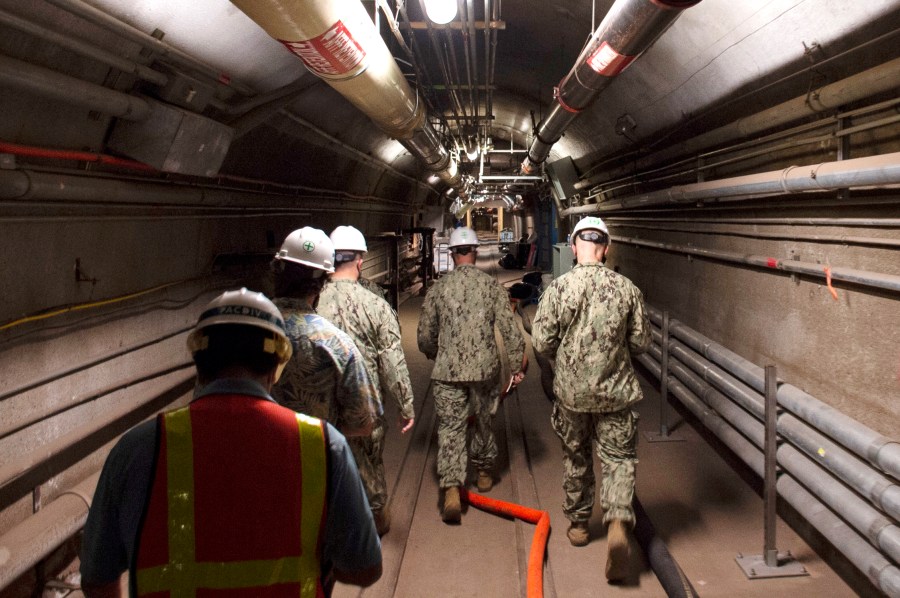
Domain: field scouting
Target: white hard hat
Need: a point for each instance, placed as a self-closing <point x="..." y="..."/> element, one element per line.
<point x="348" y="238"/>
<point x="309" y="247"/>
<point x="248" y="308"/>
<point x="590" y="223"/>
<point x="462" y="236"/>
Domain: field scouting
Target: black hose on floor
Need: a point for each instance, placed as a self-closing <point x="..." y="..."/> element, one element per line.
<point x="667" y="571"/>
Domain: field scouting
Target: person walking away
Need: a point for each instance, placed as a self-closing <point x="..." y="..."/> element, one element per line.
<point x="372" y="324"/>
<point x="233" y="493"/>
<point x="592" y="320"/>
<point x="457" y="330"/>
<point x="327" y="377"/>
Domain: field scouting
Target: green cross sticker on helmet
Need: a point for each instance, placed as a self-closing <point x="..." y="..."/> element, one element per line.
<point x="308" y="247"/>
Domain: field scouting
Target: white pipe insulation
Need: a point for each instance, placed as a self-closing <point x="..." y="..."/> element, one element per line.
<point x="338" y="42"/>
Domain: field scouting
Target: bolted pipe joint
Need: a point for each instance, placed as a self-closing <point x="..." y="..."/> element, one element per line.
<point x="628" y="30"/>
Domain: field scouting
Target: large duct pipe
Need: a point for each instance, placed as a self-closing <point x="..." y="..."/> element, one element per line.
<point x="629" y="28"/>
<point x="871" y="171"/>
<point x="83" y="48"/>
<point x="57" y="86"/>
<point x="866" y="84"/>
<point x="45" y="531"/>
<point x="338" y="42"/>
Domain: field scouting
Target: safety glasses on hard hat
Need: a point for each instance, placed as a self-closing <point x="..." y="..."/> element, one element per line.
<point x="593" y="236"/>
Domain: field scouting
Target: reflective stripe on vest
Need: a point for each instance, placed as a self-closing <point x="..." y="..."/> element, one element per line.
<point x="184" y="574"/>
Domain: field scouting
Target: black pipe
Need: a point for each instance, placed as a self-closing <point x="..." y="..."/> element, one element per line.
<point x="670" y="575"/>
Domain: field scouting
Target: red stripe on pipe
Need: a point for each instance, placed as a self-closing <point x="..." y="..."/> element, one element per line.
<point x="54" y="154"/>
<point x="562" y="102"/>
<point x="772" y="262"/>
<point x="535" y="581"/>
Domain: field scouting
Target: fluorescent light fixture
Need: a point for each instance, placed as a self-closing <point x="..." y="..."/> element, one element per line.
<point x="440" y="11"/>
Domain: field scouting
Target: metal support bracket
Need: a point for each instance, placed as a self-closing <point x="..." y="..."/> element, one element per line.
<point x="770" y="563"/>
<point x="664" y="435"/>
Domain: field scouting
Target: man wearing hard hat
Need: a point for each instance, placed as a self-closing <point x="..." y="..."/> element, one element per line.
<point x="373" y="326"/>
<point x="232" y="493"/>
<point x="591" y="320"/>
<point x="456" y="329"/>
<point x="327" y="378"/>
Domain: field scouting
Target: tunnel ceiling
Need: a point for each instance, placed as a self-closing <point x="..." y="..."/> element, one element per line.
<point x="719" y="60"/>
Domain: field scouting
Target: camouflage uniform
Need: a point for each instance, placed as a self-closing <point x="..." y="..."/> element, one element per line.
<point x="370" y="322"/>
<point x="456" y="329"/>
<point x="591" y="321"/>
<point x="373" y="287"/>
<point x="326" y="377"/>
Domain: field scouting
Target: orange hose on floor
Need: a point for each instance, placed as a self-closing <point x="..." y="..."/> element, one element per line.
<point x="535" y="581"/>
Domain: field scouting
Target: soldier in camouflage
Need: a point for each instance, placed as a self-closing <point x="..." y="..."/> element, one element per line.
<point x="326" y="377"/>
<point x="591" y="320"/>
<point x="456" y="329"/>
<point x="373" y="326"/>
<point x="373" y="288"/>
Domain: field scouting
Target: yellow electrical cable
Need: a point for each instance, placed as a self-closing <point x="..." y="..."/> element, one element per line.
<point x="64" y="310"/>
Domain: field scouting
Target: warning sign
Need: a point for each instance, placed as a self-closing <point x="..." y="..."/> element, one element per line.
<point x="334" y="52"/>
<point x="606" y="61"/>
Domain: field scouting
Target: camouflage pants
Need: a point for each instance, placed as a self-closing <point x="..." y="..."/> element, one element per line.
<point x="616" y="437"/>
<point x="454" y="402"/>
<point x="368" y="451"/>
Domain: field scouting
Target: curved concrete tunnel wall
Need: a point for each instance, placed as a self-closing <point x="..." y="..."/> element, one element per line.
<point x="844" y="352"/>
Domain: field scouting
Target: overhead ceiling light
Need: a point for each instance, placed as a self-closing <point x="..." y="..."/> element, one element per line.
<point x="440" y="11"/>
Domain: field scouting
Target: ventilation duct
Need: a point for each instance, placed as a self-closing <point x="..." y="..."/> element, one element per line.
<point x="629" y="28"/>
<point x="338" y="42"/>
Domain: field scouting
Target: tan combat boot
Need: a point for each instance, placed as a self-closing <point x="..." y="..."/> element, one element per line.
<point x="619" y="556"/>
<point x="452" y="507"/>
<point x="578" y="533"/>
<point x="485" y="481"/>
<point x="382" y="520"/>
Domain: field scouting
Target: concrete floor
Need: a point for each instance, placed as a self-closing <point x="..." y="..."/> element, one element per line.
<point x="700" y="505"/>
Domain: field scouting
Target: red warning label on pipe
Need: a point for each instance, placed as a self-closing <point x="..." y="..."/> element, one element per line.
<point x="606" y="61"/>
<point x="772" y="262"/>
<point x="334" y="52"/>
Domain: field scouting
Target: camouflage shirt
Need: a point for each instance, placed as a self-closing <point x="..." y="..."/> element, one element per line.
<point x="592" y="320"/>
<point x="371" y="324"/>
<point x="326" y="377"/>
<point x="456" y="327"/>
<point x="373" y="287"/>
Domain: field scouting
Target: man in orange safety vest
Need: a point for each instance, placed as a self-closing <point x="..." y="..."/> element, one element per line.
<point x="232" y="493"/>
